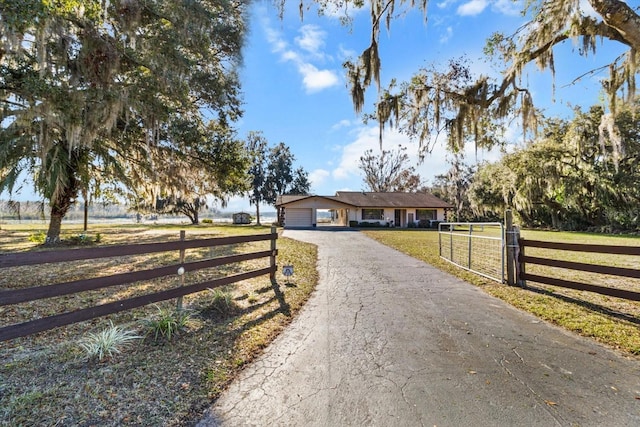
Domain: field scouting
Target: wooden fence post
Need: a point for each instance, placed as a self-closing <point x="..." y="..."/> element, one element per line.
<point x="509" y="240"/>
<point x="274" y="250"/>
<point x="470" y="245"/>
<point x="520" y="265"/>
<point x="181" y="276"/>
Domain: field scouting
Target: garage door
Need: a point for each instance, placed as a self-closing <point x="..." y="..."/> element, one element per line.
<point x="297" y="217"/>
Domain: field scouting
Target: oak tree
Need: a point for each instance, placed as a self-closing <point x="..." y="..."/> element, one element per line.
<point x="87" y="88"/>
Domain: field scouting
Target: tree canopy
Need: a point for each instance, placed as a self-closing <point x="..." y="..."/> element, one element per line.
<point x="388" y="171"/>
<point x="89" y="89"/>
<point x="271" y="172"/>
<point x="570" y="178"/>
<point x="212" y="165"/>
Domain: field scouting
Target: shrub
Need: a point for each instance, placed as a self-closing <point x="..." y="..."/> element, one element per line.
<point x="423" y="223"/>
<point x="107" y="342"/>
<point x="81" y="239"/>
<point x="167" y="322"/>
<point x="207" y="221"/>
<point x="353" y="223"/>
<point x="38" y="237"/>
<point x="370" y="224"/>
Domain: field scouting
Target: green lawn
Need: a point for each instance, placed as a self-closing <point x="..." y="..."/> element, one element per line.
<point x="609" y="320"/>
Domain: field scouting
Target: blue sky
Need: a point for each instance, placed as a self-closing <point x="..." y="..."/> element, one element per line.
<point x="295" y="90"/>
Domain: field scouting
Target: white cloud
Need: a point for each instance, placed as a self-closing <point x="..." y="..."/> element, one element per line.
<point x="507" y="7"/>
<point x="475" y="7"/>
<point x="445" y="4"/>
<point x="308" y="45"/>
<point x="341" y="124"/>
<point x="315" y="80"/>
<point x="446" y="35"/>
<point x="311" y="39"/>
<point x="290" y="55"/>
<point x="472" y="8"/>
<point x="367" y="138"/>
<point x="345" y="53"/>
<point x="273" y="37"/>
<point x="318" y="177"/>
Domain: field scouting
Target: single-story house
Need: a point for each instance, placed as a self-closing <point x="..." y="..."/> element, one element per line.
<point x="355" y="207"/>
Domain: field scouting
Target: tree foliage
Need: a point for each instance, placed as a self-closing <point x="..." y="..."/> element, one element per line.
<point x="453" y="187"/>
<point x="570" y="178"/>
<point x="212" y="165"/>
<point x="388" y="171"/>
<point x="257" y="147"/>
<point x="300" y="183"/>
<point x="271" y="172"/>
<point x="88" y="88"/>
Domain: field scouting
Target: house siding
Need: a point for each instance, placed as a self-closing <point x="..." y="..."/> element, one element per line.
<point x="348" y="207"/>
<point x="390" y="214"/>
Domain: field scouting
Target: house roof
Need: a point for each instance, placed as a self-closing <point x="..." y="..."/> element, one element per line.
<point x="289" y="198"/>
<point x="375" y="200"/>
<point x="396" y="200"/>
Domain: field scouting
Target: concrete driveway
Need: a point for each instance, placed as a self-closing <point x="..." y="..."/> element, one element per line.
<point x="387" y="340"/>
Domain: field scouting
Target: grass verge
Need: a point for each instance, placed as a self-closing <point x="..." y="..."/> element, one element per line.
<point x="47" y="379"/>
<point x="612" y="321"/>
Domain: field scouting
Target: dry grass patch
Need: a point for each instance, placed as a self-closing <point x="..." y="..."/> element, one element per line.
<point x="47" y="379"/>
<point x="611" y="321"/>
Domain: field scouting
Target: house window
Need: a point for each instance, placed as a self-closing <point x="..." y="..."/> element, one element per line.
<point x="426" y="214"/>
<point x="375" y="214"/>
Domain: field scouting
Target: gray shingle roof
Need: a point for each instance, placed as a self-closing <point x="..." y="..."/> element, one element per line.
<point x="397" y="200"/>
<point x="376" y="200"/>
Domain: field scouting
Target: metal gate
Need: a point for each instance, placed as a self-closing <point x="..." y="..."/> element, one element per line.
<point x="475" y="246"/>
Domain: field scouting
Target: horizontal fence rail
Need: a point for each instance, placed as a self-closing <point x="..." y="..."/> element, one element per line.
<point x="524" y="260"/>
<point x="43" y="257"/>
<point x="17" y="296"/>
<point x="474" y="246"/>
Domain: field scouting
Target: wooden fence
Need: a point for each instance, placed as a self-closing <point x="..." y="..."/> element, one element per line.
<point x="17" y="296"/>
<point x="524" y="260"/>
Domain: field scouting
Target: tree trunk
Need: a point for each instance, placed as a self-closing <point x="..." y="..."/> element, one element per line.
<point x="555" y="220"/>
<point x="59" y="209"/>
<point x="258" y="214"/>
<point x="86" y="212"/>
<point x="55" y="224"/>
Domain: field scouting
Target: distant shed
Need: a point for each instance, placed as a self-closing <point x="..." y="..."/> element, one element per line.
<point x="241" y="218"/>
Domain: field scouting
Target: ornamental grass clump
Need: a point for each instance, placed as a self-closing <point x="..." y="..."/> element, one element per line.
<point x="166" y="323"/>
<point x="108" y="342"/>
<point x="222" y="301"/>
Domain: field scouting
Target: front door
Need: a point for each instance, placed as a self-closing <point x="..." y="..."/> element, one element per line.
<point x="398" y="218"/>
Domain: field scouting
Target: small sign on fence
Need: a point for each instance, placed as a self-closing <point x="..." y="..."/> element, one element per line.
<point x="287" y="270"/>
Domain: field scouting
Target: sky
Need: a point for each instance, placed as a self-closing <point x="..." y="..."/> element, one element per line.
<point x="295" y="92"/>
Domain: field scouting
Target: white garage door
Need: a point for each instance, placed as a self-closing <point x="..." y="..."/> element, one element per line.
<point x="297" y="217"/>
